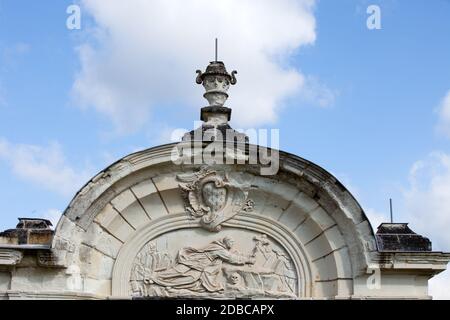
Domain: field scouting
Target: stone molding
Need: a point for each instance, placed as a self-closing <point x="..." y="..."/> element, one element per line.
<point x="49" y="295"/>
<point x="425" y="262"/>
<point x="10" y="257"/>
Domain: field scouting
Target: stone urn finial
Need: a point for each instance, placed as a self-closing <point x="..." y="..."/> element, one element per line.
<point x="216" y="116"/>
<point x="216" y="81"/>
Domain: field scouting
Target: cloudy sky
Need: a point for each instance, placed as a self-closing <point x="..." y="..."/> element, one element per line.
<point x="370" y="106"/>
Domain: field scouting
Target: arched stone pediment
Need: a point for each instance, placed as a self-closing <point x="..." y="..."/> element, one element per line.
<point x="174" y="221"/>
<point x="303" y="213"/>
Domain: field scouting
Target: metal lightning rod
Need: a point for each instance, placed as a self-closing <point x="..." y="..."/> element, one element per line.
<point x="217" y="48"/>
<point x="390" y="208"/>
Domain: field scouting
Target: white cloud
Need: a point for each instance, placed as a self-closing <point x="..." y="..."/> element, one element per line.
<point x="427" y="199"/>
<point x="318" y="93"/>
<point x="162" y="134"/>
<point x="144" y="55"/>
<point x="427" y="202"/>
<point x="444" y="116"/>
<point x="172" y="135"/>
<point x="45" y="166"/>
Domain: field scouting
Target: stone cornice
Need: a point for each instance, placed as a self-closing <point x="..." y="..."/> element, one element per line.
<point x="25" y="246"/>
<point x="50" y="295"/>
<point x="10" y="257"/>
<point x="433" y="262"/>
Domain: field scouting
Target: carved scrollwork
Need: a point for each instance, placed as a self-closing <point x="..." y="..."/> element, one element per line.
<point x="233" y="80"/>
<point x="199" y="77"/>
<point x="213" y="198"/>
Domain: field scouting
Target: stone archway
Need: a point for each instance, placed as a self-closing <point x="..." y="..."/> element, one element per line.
<point x="322" y="228"/>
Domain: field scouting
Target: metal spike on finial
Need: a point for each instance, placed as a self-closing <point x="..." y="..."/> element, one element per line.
<point x="217" y="48"/>
<point x="391" y="211"/>
<point x="216" y="81"/>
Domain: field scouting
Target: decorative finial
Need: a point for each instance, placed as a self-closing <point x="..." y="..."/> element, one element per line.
<point x="216" y="81"/>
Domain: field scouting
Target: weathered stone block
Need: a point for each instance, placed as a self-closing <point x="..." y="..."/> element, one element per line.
<point x="292" y="217"/>
<point x="318" y="247"/>
<point x="335" y="238"/>
<point x="102" y="241"/>
<point x="144" y="189"/>
<point x="304" y="202"/>
<point x="114" y="223"/>
<point x="154" y="206"/>
<point x="173" y="201"/>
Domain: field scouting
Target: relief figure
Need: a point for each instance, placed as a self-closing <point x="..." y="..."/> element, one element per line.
<point x="200" y="270"/>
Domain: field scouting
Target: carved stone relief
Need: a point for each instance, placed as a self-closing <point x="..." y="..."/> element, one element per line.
<point x="234" y="264"/>
<point x="213" y="198"/>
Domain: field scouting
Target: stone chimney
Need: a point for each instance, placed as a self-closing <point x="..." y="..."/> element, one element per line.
<point x="399" y="237"/>
<point x="28" y="231"/>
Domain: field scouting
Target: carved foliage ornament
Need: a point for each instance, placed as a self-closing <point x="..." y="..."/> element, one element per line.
<point x="213" y="198"/>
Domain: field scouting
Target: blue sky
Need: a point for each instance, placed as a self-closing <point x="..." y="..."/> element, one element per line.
<point x="381" y="130"/>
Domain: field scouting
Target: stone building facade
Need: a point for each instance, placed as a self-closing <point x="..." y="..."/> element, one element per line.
<point x="159" y="224"/>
